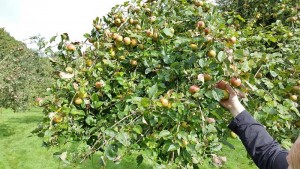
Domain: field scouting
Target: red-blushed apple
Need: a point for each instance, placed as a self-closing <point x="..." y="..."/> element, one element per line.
<point x="149" y="33"/>
<point x="236" y="82"/>
<point x="71" y="47"/>
<point x="221" y="85"/>
<point x="78" y="101"/>
<point x="210" y="120"/>
<point x="99" y="85"/>
<point x="57" y="118"/>
<point x="200" y="24"/>
<point x="232" y="39"/>
<point x="194" y="89"/>
<point x="206" y="31"/>
<point x="127" y="41"/>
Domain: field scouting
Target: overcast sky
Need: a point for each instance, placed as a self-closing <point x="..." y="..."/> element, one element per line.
<point x="25" y="18"/>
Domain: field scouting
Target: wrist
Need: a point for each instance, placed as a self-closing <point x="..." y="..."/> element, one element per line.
<point x="237" y="109"/>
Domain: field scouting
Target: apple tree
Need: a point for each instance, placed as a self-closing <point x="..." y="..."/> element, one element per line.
<point x="147" y="79"/>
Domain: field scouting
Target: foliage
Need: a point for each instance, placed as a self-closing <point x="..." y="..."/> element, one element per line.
<point x="115" y="95"/>
<point x="24" y="75"/>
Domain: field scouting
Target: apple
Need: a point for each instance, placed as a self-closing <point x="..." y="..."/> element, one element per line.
<point x="221" y="85"/>
<point x="207" y="77"/>
<point x="141" y="46"/>
<point x="131" y="21"/>
<point x="200" y="25"/>
<point x="236" y="82"/>
<point x="212" y="54"/>
<point x="210" y="120"/>
<point x="81" y="94"/>
<point x="119" y="38"/>
<point x="194" y="46"/>
<point x="78" y="101"/>
<point x="138" y="27"/>
<point x="98" y="27"/>
<point x="122" y="57"/>
<point x="99" y="85"/>
<point x="225" y="95"/>
<point x="127" y="41"/>
<point x="133" y="62"/>
<point x="194" y="89"/>
<point x="206" y="31"/>
<point x="155" y="35"/>
<point x="293" y="97"/>
<point x="199" y="3"/>
<point x="149" y="33"/>
<point x="164" y="102"/>
<point x="71" y="47"/>
<point x="57" y="118"/>
<point x="118" y="22"/>
<point x="152" y="19"/>
<point x="69" y="69"/>
<point x="290" y="34"/>
<point x="258" y="75"/>
<point x="184" y="143"/>
<point x="133" y="43"/>
<point x="232" y="39"/>
<point x="296" y="89"/>
<point x="38" y="99"/>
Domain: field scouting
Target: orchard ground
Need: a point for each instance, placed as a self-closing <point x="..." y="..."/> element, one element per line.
<point x="21" y="150"/>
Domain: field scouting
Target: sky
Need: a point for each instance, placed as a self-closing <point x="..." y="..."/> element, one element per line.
<point x="25" y="18"/>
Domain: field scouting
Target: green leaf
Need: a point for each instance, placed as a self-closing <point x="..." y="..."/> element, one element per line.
<point x="221" y="56"/>
<point x="90" y="120"/>
<point x="168" y="32"/>
<point x="164" y="133"/>
<point x="111" y="151"/>
<point x="152" y="91"/>
<point x="139" y="159"/>
<point x="173" y="147"/>
<point x="123" y="138"/>
<point x="52" y="39"/>
<point x="138" y="129"/>
<point x="145" y="102"/>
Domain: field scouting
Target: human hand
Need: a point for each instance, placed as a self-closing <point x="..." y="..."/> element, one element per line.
<point x="232" y="103"/>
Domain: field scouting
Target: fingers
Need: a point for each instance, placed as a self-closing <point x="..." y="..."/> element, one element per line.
<point x="230" y="90"/>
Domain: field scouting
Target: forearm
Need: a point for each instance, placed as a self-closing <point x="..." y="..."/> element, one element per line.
<point x="262" y="148"/>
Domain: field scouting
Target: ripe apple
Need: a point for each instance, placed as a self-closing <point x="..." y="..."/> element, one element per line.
<point x="194" y="89"/>
<point x="296" y="89"/>
<point x="199" y="3"/>
<point x="71" y="47"/>
<point x="149" y="33"/>
<point x="221" y="85"/>
<point x="133" y="43"/>
<point x="164" y="102"/>
<point x="210" y="120"/>
<point x="57" y="118"/>
<point x="38" y="99"/>
<point x="98" y="27"/>
<point x="232" y="39"/>
<point x="133" y="62"/>
<point x="119" y="38"/>
<point x="78" y="101"/>
<point x="200" y="25"/>
<point x="118" y="22"/>
<point x="236" y="82"/>
<point x="206" y="31"/>
<point x="212" y="54"/>
<point x="207" y="77"/>
<point x="293" y="97"/>
<point x="99" y="85"/>
<point x="194" y="46"/>
<point x="127" y="41"/>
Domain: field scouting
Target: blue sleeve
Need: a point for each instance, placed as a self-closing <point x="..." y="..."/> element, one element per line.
<point x="263" y="149"/>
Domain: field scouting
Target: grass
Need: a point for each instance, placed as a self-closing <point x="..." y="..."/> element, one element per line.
<point x="19" y="149"/>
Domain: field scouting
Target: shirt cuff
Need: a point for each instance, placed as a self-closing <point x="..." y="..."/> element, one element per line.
<point x="243" y="118"/>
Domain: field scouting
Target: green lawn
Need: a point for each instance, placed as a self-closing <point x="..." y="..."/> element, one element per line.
<point x="20" y="150"/>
